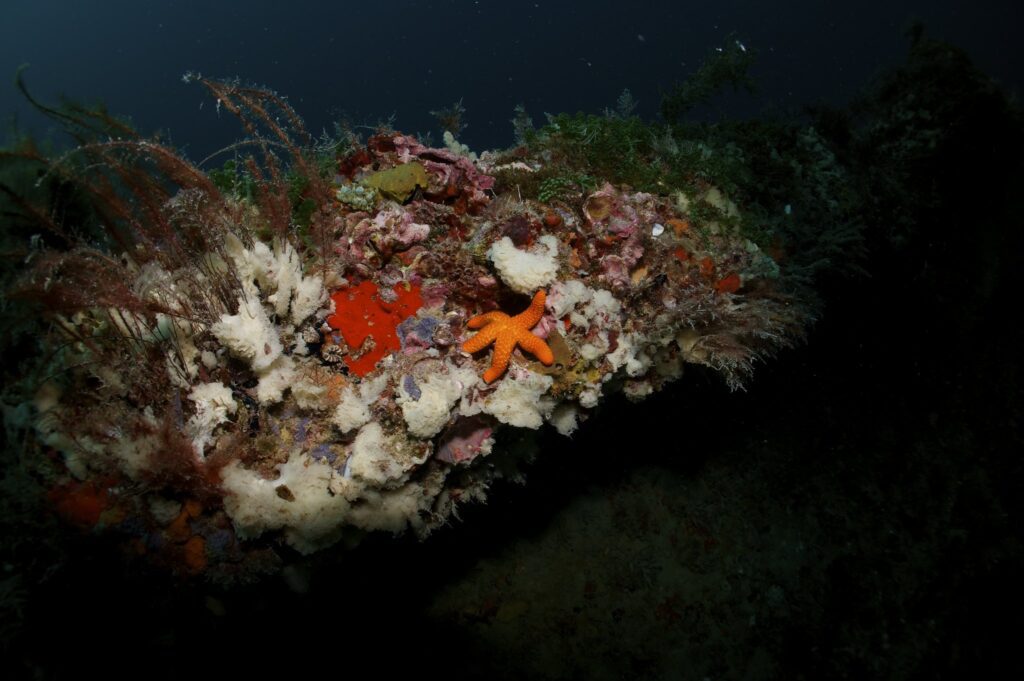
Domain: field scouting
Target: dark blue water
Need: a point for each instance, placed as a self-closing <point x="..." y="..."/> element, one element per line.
<point x="371" y="61"/>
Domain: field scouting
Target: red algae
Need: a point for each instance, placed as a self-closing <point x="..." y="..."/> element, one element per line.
<point x="361" y="314"/>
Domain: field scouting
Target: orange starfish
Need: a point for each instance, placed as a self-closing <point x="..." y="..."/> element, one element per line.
<point x="506" y="333"/>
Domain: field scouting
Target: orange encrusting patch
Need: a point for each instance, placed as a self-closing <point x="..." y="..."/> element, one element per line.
<point x="195" y="554"/>
<point x="360" y="313"/>
<point x="80" y="503"/>
<point x="729" y="284"/>
<point x="335" y="384"/>
<point x="680" y="226"/>
<point x="552" y="219"/>
<point x="707" y="266"/>
<point x="180" y="528"/>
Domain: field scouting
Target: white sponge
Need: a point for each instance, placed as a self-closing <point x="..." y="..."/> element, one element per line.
<point x="427" y="413"/>
<point x="213" y="404"/>
<point x="299" y="501"/>
<point x="249" y="335"/>
<point x="525" y="271"/>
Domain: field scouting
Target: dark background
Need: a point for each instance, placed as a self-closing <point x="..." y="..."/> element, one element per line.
<point x="405" y="58"/>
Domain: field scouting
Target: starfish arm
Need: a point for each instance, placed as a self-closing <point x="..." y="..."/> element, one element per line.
<point x="536" y="347"/>
<point x="492" y="374"/>
<point x="506" y="343"/>
<point x="481" y="340"/>
<point x="529" y="318"/>
<point x="486" y="318"/>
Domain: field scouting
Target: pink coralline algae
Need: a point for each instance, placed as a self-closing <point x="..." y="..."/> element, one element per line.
<point x="451" y="176"/>
<point x="465" y="440"/>
<point x="391" y="230"/>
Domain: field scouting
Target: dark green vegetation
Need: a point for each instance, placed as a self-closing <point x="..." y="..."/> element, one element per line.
<point x="855" y="514"/>
<point x="796" y="196"/>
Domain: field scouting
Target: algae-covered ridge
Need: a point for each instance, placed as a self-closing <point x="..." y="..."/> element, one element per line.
<point x="270" y="357"/>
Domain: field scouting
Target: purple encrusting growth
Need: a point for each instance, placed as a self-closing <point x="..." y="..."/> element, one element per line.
<point x="302" y="430"/>
<point x="323" y="453"/>
<point x="388" y="295"/>
<point x="275" y="428"/>
<point x="417" y="333"/>
<point x="219" y="540"/>
<point x="179" y="416"/>
<point x="425" y="329"/>
<point x="409" y="383"/>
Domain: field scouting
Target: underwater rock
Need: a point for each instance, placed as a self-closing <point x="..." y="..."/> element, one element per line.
<point x="319" y="388"/>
